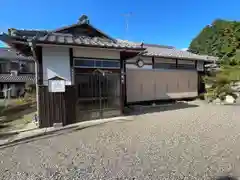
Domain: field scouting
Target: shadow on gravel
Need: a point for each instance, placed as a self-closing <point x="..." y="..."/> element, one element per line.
<point x="226" y="178"/>
<point x="149" y="108"/>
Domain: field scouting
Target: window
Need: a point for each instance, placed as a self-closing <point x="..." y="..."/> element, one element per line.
<point x="165" y="66"/>
<point x="186" y="66"/>
<point x="96" y="63"/>
<point x="27" y="67"/>
<point x="84" y="63"/>
<point x="110" y="64"/>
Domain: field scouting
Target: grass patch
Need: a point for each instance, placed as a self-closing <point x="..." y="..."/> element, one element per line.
<point x="18" y="123"/>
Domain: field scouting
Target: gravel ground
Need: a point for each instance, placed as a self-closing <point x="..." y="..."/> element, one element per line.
<point x="193" y="143"/>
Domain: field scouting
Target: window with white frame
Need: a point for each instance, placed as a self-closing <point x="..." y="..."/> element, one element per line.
<point x="97" y="63"/>
<point x="165" y="63"/>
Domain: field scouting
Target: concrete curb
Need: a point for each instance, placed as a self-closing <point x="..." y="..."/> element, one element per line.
<point x="10" y="133"/>
<point x="24" y="136"/>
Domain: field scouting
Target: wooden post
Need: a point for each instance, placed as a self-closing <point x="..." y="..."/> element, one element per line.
<point x="71" y="65"/>
<point x="122" y="84"/>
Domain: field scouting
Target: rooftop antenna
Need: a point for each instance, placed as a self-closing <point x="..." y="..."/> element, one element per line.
<point x="127" y="16"/>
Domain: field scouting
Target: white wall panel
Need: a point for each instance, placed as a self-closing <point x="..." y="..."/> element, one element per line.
<point x="56" y="62"/>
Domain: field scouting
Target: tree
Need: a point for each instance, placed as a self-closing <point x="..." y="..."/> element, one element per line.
<point x="220" y="39"/>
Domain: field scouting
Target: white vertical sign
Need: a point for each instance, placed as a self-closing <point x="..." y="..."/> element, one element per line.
<point x="56" y="85"/>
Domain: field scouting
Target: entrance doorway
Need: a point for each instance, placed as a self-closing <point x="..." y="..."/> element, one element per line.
<point x="98" y="94"/>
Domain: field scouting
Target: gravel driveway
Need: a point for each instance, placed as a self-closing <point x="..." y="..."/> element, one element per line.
<point x="192" y="143"/>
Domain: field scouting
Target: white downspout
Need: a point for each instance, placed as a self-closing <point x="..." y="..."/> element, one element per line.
<point x="31" y="44"/>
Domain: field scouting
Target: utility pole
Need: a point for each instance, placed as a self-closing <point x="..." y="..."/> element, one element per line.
<point x="127" y="16"/>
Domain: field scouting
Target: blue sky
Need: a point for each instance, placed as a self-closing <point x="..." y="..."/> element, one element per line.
<point x="167" y="22"/>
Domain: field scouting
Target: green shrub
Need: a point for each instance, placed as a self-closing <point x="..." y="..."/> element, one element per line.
<point x="202" y="96"/>
<point x="11" y="110"/>
<point x="221" y="83"/>
<point x="19" y="101"/>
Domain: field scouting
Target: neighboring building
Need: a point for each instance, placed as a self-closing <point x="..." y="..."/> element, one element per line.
<point x="15" y="71"/>
<point x="102" y="74"/>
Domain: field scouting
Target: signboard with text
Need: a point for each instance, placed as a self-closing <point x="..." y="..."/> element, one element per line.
<point x="56" y="85"/>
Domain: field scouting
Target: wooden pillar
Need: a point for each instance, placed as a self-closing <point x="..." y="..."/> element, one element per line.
<point x="153" y="62"/>
<point x="125" y="83"/>
<point x="70" y="95"/>
<point x="40" y="93"/>
<point x="122" y="83"/>
<point x="123" y="75"/>
<point x="201" y="84"/>
<point x="39" y="69"/>
<point x="71" y="65"/>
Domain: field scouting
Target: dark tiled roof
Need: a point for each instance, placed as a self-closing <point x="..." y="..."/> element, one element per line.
<point x="82" y="25"/>
<point x="62" y="38"/>
<point x="11" y="54"/>
<point x="26" y="33"/>
<point x="170" y="52"/>
<point x="175" y="53"/>
<point x="159" y="46"/>
<point x="52" y="37"/>
<point x="19" y="78"/>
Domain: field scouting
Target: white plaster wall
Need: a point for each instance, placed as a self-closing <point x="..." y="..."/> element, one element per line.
<point x="96" y="53"/>
<point x="56" y="62"/>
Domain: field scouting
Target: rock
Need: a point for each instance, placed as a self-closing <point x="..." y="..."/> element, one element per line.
<point x="236" y="94"/>
<point x="56" y="125"/>
<point x="217" y="101"/>
<point x="229" y="99"/>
